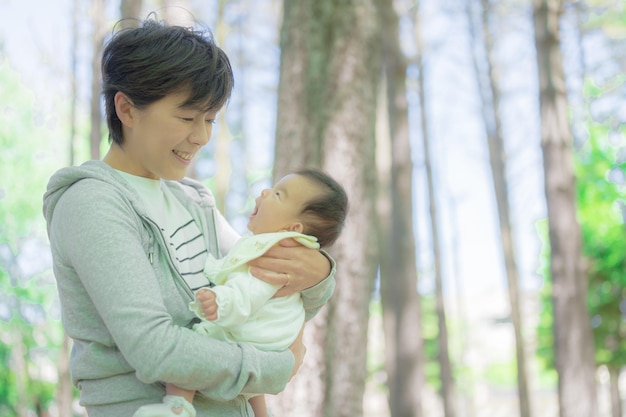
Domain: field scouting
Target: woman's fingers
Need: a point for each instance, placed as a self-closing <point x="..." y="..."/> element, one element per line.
<point x="304" y="267"/>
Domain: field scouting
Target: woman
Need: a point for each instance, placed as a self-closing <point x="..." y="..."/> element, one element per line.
<point x="130" y="235"/>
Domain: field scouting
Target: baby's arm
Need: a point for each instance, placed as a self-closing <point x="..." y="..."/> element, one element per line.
<point x="235" y="301"/>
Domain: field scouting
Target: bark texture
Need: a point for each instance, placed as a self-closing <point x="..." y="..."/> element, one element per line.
<point x="446" y="371"/>
<point x="326" y="112"/>
<point x="488" y="83"/>
<point x="572" y="328"/>
<point x="402" y="323"/>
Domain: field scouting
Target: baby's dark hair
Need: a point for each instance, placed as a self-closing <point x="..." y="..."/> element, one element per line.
<point x="151" y="61"/>
<point x="324" y="216"/>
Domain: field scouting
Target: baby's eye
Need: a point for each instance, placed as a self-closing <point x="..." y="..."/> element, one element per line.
<point x="187" y="119"/>
<point x="210" y="121"/>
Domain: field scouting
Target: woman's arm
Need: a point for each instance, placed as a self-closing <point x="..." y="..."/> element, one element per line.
<point x="299" y="269"/>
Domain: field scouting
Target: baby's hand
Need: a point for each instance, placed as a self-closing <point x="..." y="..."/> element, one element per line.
<point x="206" y="298"/>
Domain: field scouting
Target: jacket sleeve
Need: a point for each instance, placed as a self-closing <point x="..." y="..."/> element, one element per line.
<point x="117" y="303"/>
<point x="315" y="297"/>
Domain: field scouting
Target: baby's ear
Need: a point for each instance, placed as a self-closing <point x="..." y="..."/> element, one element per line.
<point x="297" y="227"/>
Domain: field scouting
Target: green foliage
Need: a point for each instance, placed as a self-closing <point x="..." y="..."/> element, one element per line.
<point x="430" y="330"/>
<point x="27" y="292"/>
<point x="8" y="396"/>
<point x="601" y="201"/>
<point x="502" y="374"/>
<point x="601" y="205"/>
<point x="608" y="19"/>
<point x="545" y="334"/>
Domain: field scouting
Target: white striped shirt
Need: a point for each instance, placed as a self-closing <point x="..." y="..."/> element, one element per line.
<point x="182" y="235"/>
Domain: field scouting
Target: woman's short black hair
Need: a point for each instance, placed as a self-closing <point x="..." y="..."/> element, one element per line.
<point x="148" y="62"/>
<point x="325" y="215"/>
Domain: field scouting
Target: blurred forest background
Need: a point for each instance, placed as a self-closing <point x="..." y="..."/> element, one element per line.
<point x="482" y="272"/>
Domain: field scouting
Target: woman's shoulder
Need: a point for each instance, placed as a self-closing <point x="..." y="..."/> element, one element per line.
<point x="89" y="198"/>
<point x="88" y="184"/>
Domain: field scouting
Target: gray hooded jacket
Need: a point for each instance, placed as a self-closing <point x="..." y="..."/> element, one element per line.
<point x="126" y="307"/>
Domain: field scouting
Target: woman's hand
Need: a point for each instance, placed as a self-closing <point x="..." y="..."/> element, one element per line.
<point x="291" y="265"/>
<point x="298" y="349"/>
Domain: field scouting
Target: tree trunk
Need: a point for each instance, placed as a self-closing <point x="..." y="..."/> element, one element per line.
<point x="445" y="366"/>
<point x="74" y="75"/>
<point x="19" y="366"/>
<point x="130" y="11"/>
<point x="573" y="335"/>
<point x="402" y="322"/>
<point x="616" y="401"/>
<point x="490" y="100"/>
<point x="222" y="156"/>
<point x="178" y="12"/>
<point x="97" y="19"/>
<point x="64" y="394"/>
<point x="326" y="112"/>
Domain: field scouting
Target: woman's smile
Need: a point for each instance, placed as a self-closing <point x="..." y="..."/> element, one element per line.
<point x="185" y="156"/>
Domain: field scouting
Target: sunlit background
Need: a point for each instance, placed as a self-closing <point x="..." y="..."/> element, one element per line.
<point x="35" y="93"/>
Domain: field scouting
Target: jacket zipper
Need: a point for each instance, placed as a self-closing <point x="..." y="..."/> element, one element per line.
<point x="181" y="280"/>
<point x="213" y="241"/>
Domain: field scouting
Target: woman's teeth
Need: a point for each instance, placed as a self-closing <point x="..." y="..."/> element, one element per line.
<point x="184" y="155"/>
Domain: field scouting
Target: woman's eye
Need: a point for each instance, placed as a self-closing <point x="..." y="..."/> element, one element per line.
<point x="210" y="121"/>
<point x="187" y="119"/>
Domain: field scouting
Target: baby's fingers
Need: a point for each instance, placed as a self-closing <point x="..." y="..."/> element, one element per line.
<point x="208" y="302"/>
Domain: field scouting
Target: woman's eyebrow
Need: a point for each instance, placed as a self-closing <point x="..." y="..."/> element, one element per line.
<point x="189" y="107"/>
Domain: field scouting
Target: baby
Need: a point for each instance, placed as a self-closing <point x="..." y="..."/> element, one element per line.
<point x="307" y="206"/>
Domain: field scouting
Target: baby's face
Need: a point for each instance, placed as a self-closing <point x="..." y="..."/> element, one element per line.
<point x="279" y="208"/>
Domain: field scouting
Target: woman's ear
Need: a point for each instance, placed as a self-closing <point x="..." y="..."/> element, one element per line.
<point x="124" y="108"/>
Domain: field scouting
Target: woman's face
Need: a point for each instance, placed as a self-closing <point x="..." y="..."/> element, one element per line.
<point x="160" y="140"/>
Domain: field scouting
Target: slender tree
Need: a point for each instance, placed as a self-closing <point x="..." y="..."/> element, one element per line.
<point x="488" y="83"/>
<point x="222" y="140"/>
<point x="330" y="54"/>
<point x="178" y="12"/>
<point x="97" y="38"/>
<point x="73" y="76"/>
<point x="64" y="394"/>
<point x="402" y="325"/>
<point x="445" y="365"/>
<point x="573" y="336"/>
<point x="130" y="11"/>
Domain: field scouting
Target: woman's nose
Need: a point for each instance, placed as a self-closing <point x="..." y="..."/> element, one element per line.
<point x="201" y="134"/>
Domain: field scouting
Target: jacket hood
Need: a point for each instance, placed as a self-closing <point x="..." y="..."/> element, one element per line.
<point x="68" y="176"/>
<point x="99" y="170"/>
